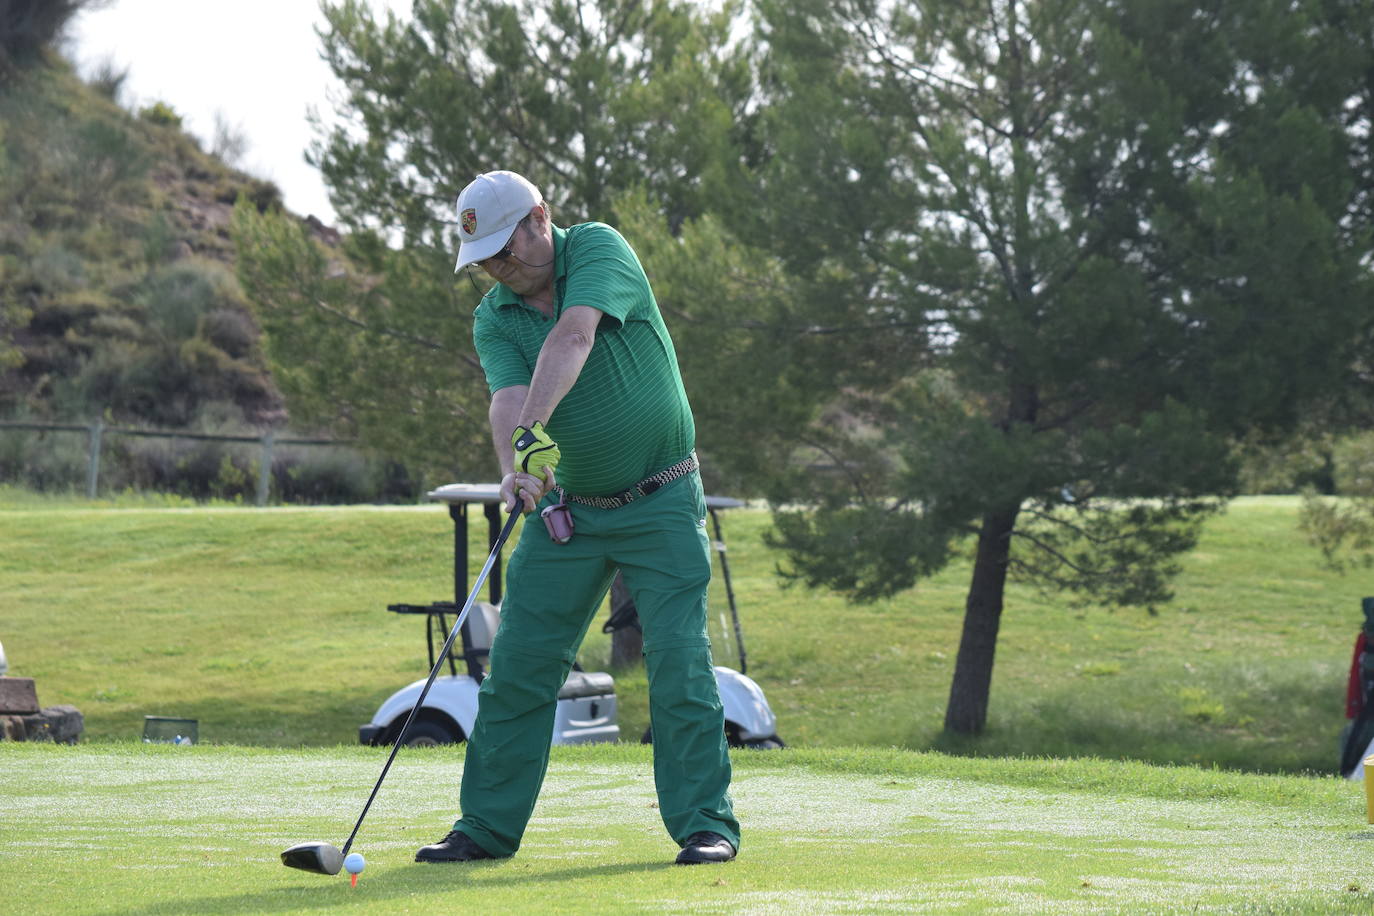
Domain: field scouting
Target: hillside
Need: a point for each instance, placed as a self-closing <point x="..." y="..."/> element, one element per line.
<point x="119" y="301"/>
<point x="117" y="267"/>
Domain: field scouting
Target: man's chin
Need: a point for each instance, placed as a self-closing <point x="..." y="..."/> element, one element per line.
<point x="521" y="286"/>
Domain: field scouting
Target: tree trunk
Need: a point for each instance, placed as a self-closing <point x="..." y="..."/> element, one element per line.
<point x="967" y="711"/>
<point x="627" y="643"/>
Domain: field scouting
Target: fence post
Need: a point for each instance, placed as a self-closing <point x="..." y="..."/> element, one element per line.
<point x="93" y="462"/>
<point x="265" y="467"/>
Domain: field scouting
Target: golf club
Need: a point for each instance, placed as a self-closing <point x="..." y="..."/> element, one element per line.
<point x="326" y="858"/>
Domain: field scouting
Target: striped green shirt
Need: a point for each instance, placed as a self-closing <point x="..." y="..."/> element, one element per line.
<point x="627" y="416"/>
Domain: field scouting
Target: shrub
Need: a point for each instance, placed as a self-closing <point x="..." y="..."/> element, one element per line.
<point x="201" y="470"/>
<point x="337" y="475"/>
<point x="232" y="480"/>
<point x="158" y="238"/>
<point x="1304" y="462"/>
<point x="321" y="476"/>
<point x="229" y="142"/>
<point x="231" y="330"/>
<point x="107" y="156"/>
<point x="161" y="113"/>
<point x="395" y="484"/>
<point x="49" y="462"/>
<point x="1353" y="460"/>
<point x="264" y="195"/>
<point x="57" y="269"/>
<point x="108" y="78"/>
<point x="177" y="296"/>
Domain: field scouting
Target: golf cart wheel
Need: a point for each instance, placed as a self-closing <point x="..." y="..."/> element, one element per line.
<point x="736" y="739"/>
<point x="431" y="732"/>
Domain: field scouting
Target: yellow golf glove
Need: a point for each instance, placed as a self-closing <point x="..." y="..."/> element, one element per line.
<point x="534" y="450"/>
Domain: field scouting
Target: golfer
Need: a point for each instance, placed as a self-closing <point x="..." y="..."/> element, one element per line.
<point x="592" y="429"/>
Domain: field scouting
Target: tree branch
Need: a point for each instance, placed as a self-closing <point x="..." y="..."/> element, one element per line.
<point x="390" y="332"/>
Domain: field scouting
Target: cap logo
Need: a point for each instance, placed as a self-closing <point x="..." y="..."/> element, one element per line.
<point x="469" y="218"/>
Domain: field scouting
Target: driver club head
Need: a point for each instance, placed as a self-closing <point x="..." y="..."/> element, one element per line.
<point x="322" y="858"/>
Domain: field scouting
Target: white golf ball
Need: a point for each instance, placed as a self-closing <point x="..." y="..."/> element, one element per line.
<point x="354" y="863"/>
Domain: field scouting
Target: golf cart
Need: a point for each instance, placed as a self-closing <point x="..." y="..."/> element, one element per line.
<point x="749" y="721"/>
<point x="586" y="710"/>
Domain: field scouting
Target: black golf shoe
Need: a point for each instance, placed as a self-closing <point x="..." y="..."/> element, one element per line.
<point x="704" y="848"/>
<point x="456" y="847"/>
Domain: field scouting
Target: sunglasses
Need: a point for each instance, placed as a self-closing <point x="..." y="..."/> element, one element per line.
<point x="505" y="251"/>
<point x="503" y="254"/>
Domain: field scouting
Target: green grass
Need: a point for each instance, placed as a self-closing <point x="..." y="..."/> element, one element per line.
<point x="134" y="829"/>
<point x="269" y="626"/>
<point x="13" y="497"/>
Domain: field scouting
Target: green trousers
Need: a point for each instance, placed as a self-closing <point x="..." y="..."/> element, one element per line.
<point x="553" y="591"/>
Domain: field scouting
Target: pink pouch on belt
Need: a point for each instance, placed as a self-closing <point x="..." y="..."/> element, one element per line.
<point x="558" y="519"/>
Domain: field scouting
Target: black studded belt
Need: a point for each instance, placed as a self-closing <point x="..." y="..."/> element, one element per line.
<point x="643" y="488"/>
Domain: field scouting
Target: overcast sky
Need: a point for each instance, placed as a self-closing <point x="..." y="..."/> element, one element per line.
<point x="255" y="62"/>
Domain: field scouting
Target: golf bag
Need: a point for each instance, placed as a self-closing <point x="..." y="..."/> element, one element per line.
<point x="1359" y="697"/>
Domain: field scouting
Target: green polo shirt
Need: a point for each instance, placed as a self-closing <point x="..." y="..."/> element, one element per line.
<point x="627" y="416"/>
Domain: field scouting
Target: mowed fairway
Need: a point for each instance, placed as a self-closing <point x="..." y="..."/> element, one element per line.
<point x="133" y="829"/>
<point x="269" y="627"/>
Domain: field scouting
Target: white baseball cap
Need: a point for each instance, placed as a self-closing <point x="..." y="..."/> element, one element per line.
<point x="488" y="210"/>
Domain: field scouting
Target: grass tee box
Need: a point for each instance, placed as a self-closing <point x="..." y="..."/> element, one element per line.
<point x="149" y="829"/>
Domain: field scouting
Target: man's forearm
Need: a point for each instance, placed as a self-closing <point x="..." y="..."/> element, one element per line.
<point x="504" y="415"/>
<point x="560" y="362"/>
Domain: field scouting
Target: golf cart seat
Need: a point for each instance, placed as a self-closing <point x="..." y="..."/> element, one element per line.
<point x="587" y="684"/>
<point x="482" y="622"/>
<point x="586" y="701"/>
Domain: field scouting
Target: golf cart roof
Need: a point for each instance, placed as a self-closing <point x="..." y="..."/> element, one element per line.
<point x="454" y="493"/>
